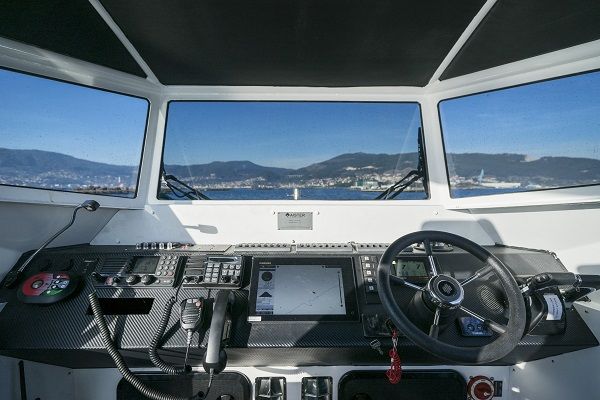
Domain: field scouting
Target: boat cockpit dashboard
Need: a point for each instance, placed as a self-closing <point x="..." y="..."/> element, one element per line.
<point x="299" y="200"/>
<point x="435" y="301"/>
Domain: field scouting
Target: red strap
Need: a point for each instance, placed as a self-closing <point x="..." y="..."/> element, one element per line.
<point x="395" y="372"/>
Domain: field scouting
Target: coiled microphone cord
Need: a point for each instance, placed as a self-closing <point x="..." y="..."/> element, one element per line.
<point x="129" y="376"/>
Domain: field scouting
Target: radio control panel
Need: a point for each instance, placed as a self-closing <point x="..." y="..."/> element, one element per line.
<point x="138" y="271"/>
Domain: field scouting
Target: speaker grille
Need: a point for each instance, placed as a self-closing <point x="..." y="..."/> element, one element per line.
<point x="491" y="299"/>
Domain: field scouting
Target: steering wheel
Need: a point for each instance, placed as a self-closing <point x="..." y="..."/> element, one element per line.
<point x="444" y="295"/>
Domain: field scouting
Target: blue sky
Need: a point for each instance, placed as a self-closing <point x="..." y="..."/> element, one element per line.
<point x="85" y="123"/>
<point x="287" y="134"/>
<point x="553" y="118"/>
<point x="560" y="117"/>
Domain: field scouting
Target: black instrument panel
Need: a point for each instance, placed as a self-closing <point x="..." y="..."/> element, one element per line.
<point x="59" y="333"/>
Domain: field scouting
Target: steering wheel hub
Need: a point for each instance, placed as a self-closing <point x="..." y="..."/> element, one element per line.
<point x="445" y="291"/>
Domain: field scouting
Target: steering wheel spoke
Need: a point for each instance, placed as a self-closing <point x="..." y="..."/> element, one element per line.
<point x="399" y="281"/>
<point x="478" y="274"/>
<point x="434" y="330"/>
<point x="429" y="252"/>
<point x="495" y="326"/>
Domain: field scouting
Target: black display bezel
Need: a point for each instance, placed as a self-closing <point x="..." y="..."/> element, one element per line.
<point x="345" y="263"/>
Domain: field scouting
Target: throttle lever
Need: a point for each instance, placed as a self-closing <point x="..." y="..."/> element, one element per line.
<point x="549" y="279"/>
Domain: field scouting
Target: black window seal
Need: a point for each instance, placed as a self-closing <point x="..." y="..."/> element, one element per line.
<point x="426" y="174"/>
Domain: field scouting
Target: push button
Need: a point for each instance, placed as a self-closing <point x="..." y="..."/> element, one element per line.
<point x="371" y="288"/>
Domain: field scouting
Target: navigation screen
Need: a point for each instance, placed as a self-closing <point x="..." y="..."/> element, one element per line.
<point x="300" y="290"/>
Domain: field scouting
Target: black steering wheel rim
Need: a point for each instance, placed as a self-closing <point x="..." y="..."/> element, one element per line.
<point x="493" y="351"/>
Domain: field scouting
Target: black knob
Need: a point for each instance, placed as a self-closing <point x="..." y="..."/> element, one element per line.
<point x="225" y="279"/>
<point x="132" y="279"/>
<point x="147" y="279"/>
<point x="115" y="280"/>
<point x="98" y="277"/>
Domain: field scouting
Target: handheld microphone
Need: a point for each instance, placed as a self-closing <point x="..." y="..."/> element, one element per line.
<point x="13" y="276"/>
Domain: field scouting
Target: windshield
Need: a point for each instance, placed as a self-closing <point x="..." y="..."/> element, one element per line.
<point x="290" y="150"/>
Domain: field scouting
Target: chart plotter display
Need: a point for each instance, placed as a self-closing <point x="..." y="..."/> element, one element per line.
<point x="303" y="289"/>
<point x="300" y="290"/>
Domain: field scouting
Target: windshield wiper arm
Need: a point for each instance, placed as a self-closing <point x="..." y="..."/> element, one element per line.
<point x="190" y="193"/>
<point x="400" y="186"/>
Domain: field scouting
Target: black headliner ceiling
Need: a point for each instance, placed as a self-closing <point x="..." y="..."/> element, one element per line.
<point x="515" y="29"/>
<point x="293" y="43"/>
<point x="301" y="42"/>
<point x="69" y="27"/>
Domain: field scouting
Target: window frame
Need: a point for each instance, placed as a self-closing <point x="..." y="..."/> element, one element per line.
<point x="443" y="139"/>
<point x="426" y="185"/>
<point x="144" y="138"/>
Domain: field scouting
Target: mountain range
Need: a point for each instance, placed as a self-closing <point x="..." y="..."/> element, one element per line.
<point x="50" y="168"/>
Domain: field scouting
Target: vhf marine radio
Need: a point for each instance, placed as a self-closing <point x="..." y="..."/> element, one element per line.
<point x="138" y="271"/>
<point x="213" y="271"/>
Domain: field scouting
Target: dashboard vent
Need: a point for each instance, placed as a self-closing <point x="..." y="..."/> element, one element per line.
<point x="370" y="247"/>
<point x="324" y="247"/>
<point x="114" y="265"/>
<point x="264" y="247"/>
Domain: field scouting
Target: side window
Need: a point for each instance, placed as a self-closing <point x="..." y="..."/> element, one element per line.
<point x="543" y="135"/>
<point x="60" y="136"/>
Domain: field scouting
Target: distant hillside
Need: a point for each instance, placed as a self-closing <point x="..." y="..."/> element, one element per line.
<point x="351" y="164"/>
<point x="514" y="167"/>
<point x="47" y="168"/>
<point x="50" y="168"/>
<point x="228" y="171"/>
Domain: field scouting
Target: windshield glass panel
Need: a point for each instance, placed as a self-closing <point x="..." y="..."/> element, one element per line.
<point x="544" y="135"/>
<point x="66" y="137"/>
<point x="287" y="150"/>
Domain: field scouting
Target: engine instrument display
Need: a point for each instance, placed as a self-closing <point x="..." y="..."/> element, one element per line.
<point x="410" y="268"/>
